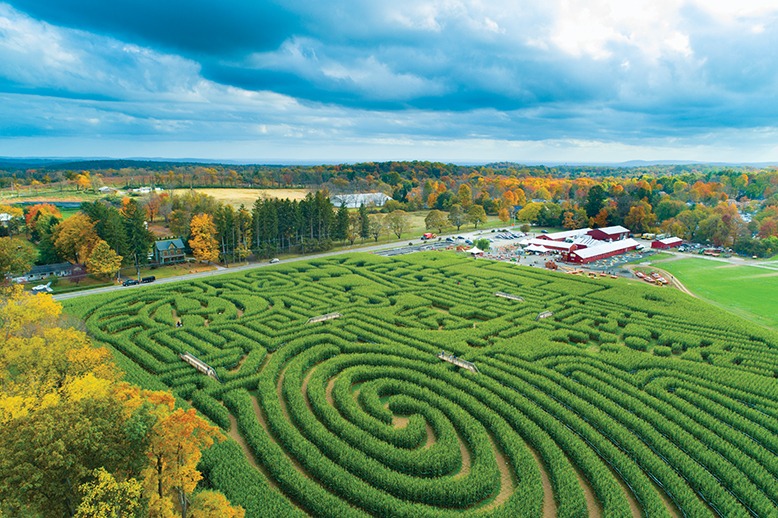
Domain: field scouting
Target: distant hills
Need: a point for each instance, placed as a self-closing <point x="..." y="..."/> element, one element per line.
<point x="86" y="163"/>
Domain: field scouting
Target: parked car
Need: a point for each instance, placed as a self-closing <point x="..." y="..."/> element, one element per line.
<point x="274" y="260"/>
<point x="146" y="280"/>
<point x="130" y="282"/>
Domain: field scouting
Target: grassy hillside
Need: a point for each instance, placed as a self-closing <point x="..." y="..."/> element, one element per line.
<point x="748" y="291"/>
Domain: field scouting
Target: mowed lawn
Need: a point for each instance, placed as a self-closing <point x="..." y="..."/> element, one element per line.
<point x="747" y="291"/>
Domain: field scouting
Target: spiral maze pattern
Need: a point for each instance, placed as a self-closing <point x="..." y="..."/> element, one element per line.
<point x="628" y="401"/>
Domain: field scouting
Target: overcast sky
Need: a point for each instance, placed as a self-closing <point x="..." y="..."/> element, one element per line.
<point x="352" y="80"/>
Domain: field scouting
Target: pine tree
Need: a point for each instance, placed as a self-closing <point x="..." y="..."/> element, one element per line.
<point x="364" y="222"/>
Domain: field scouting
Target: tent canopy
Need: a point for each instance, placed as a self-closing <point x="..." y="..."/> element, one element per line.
<point x="475" y="250"/>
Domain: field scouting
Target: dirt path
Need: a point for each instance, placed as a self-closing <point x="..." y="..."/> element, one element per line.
<point x="634" y="506"/>
<point x="467" y="461"/>
<point x="328" y="392"/>
<point x="431" y="439"/>
<point x="304" y="387"/>
<point x="507" y="484"/>
<point x="672" y="509"/>
<point x="399" y="421"/>
<point x="237" y="437"/>
<point x="549" y="504"/>
<point x="592" y="504"/>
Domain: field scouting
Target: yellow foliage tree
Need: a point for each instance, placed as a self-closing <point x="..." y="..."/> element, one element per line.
<point x="174" y="451"/>
<point x="210" y="504"/>
<point x="108" y="498"/>
<point x="103" y="260"/>
<point x="75" y="237"/>
<point x="203" y="243"/>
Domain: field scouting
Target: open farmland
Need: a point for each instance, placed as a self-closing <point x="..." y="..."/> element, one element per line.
<point x="626" y="400"/>
<point x="247" y="197"/>
<point x="749" y="291"/>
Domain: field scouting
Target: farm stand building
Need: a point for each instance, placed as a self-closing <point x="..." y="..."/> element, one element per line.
<point x="609" y="233"/>
<point x="669" y="242"/>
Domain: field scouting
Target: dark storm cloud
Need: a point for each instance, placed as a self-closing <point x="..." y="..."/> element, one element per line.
<point x="204" y="27"/>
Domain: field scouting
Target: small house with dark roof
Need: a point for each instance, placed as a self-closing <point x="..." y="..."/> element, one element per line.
<point x="167" y="251"/>
<point x="42" y="271"/>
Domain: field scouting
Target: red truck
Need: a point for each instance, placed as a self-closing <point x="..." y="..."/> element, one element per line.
<point x="428" y="235"/>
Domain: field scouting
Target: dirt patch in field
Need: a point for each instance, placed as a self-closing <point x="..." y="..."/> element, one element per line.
<point x="247" y="197"/>
<point x="399" y="421"/>
<point x="549" y="504"/>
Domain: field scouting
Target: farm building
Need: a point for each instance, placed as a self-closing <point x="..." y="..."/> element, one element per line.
<point x="601" y="251"/>
<point x="609" y="233"/>
<point x="37" y="273"/>
<point x="168" y="251"/>
<point x="353" y="201"/>
<point x="670" y="242"/>
<point x="581" y="241"/>
<point x="562" y="236"/>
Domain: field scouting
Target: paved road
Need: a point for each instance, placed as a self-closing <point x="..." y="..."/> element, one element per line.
<point x="223" y="271"/>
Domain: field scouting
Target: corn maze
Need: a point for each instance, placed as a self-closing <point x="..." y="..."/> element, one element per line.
<point x="628" y="401"/>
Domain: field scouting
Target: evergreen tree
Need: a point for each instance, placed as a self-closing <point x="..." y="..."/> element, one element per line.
<point x="340" y="229"/>
<point x="364" y="222"/>
<point x="139" y="239"/>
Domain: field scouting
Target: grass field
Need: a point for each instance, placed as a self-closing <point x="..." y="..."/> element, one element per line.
<point x="247" y="197"/>
<point x="623" y="400"/>
<point x="748" y="291"/>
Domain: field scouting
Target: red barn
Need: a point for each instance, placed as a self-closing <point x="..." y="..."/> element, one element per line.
<point x="670" y="242"/>
<point x="588" y="255"/>
<point x="610" y="233"/>
<point x="564" y="235"/>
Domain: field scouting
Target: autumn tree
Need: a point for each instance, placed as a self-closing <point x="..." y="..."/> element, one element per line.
<point x="436" y="220"/>
<point x="352" y="229"/>
<point x="75" y="237"/>
<point x="503" y="215"/>
<point x="106" y="497"/>
<point x="203" y="243"/>
<point x="16" y="256"/>
<point x="464" y="196"/>
<point x="211" y="504"/>
<point x="476" y="214"/>
<point x="529" y="212"/>
<point x="152" y="204"/>
<point x="397" y="221"/>
<point x="457" y="216"/>
<point x="640" y="218"/>
<point x="177" y="440"/>
<point x="76" y="441"/>
<point x="376" y="225"/>
<point x="103" y="260"/>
